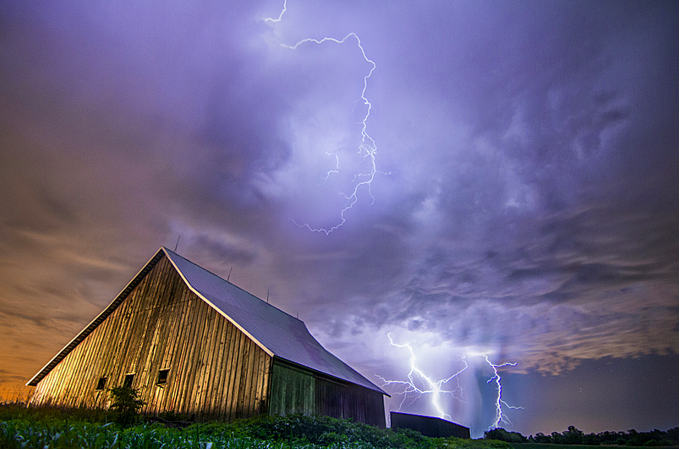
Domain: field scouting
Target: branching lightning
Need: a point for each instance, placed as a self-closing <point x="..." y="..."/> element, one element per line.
<point x="420" y="384"/>
<point x="496" y="378"/>
<point x="367" y="148"/>
<point x="333" y="170"/>
<point x="417" y="376"/>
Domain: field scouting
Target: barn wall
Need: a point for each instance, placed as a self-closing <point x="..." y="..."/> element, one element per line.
<point x="292" y="391"/>
<point x="215" y="371"/>
<point x="295" y="389"/>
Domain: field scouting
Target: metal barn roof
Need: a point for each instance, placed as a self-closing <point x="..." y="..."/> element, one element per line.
<point x="276" y="332"/>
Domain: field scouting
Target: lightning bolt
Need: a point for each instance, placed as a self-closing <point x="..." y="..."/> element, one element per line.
<point x="367" y="148"/>
<point x="334" y="170"/>
<point x="416" y="377"/>
<point x="496" y="378"/>
<point x="283" y="11"/>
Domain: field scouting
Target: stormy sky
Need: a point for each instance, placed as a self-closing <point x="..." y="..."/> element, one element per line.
<point x="521" y="202"/>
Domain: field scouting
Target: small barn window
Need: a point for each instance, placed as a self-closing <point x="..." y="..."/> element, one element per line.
<point x="101" y="383"/>
<point x="129" y="378"/>
<point x="162" y="377"/>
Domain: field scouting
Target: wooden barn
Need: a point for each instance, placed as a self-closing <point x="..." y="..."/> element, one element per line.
<point x="194" y="344"/>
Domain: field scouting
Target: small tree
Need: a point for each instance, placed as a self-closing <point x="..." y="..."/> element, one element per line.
<point x="572" y="436"/>
<point x="503" y="435"/>
<point x="125" y="405"/>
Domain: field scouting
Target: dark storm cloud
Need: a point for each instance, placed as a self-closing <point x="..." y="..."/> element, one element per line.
<point x="539" y="203"/>
<point x="525" y="199"/>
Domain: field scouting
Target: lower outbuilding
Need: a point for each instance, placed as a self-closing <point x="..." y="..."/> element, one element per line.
<point x="428" y="425"/>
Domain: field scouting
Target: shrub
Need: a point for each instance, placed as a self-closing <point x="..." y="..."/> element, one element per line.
<point x="125" y="405"/>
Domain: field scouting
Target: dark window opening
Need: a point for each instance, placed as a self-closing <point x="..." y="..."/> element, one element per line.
<point x="101" y="384"/>
<point x="162" y="377"/>
<point x="127" y="383"/>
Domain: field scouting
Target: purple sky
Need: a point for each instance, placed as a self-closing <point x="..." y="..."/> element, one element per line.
<point x="524" y="205"/>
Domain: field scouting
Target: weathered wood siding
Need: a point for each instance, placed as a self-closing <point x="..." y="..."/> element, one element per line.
<point x="295" y="389"/>
<point x="215" y="370"/>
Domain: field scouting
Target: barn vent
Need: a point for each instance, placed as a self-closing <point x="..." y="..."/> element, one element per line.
<point x="162" y="377"/>
<point x="129" y="378"/>
<point x="101" y="383"/>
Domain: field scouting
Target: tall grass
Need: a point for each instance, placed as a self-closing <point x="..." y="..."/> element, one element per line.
<point x="26" y="434"/>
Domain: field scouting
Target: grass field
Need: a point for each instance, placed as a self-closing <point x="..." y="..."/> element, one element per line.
<point x="51" y="428"/>
<point x="28" y="428"/>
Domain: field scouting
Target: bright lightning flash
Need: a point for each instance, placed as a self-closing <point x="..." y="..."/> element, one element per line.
<point x="419" y="384"/>
<point x="496" y="378"/>
<point x="367" y="148"/>
<point x="417" y="376"/>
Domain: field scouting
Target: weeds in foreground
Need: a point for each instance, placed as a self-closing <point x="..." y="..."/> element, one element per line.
<point x="22" y="427"/>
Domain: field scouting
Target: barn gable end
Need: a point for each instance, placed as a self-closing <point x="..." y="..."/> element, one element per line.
<point x="213" y="369"/>
<point x="192" y="343"/>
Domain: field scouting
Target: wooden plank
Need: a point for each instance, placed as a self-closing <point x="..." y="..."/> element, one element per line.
<point x="187" y="333"/>
<point x="184" y="355"/>
<point x="267" y="382"/>
<point x="243" y="379"/>
<point x="246" y="354"/>
<point x="233" y="357"/>
<point x="243" y="383"/>
<point x="236" y="374"/>
<point x="227" y="369"/>
<point x="256" y="383"/>
<point x="214" y="368"/>
<point x="197" y="364"/>
<point x="233" y="379"/>
<point x="211" y="361"/>
<point x="205" y="359"/>
<point x="250" y="394"/>
<point x="199" y="357"/>
<point x="220" y="371"/>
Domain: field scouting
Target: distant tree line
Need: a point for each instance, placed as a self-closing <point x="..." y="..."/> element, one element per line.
<point x="575" y="436"/>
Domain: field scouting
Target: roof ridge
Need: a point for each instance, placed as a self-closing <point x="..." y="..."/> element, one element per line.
<point x="229" y="282"/>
